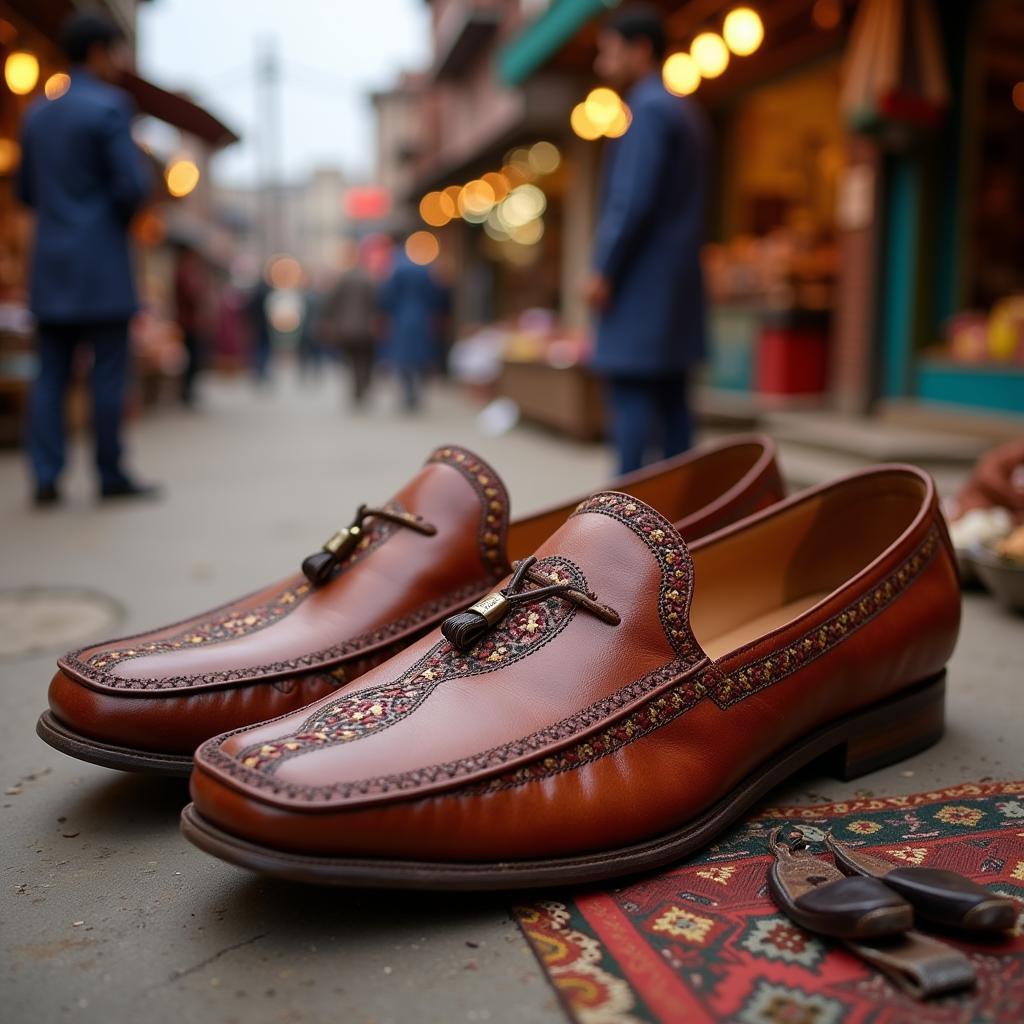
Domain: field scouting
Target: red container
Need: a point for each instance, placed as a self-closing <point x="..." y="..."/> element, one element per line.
<point x="792" y="360"/>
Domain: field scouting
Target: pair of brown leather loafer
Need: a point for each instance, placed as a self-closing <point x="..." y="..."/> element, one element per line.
<point x="610" y="707"/>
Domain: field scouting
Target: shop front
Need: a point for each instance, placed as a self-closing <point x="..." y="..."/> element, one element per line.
<point x="864" y="235"/>
<point x="953" y="312"/>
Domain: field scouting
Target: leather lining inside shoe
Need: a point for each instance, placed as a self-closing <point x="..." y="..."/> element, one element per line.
<point x="676" y="494"/>
<point x="754" y="581"/>
<point x="716" y="647"/>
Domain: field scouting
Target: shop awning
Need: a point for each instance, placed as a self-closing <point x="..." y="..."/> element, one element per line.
<point x="178" y="110"/>
<point x="543" y="38"/>
<point x="464" y="30"/>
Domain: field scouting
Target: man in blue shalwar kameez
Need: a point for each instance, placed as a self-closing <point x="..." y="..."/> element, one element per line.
<point x="646" y="283"/>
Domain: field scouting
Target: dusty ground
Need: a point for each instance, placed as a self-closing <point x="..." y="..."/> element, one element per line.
<point x="108" y="914"/>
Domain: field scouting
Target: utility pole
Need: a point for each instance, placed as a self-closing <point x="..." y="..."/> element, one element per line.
<point x="268" y="126"/>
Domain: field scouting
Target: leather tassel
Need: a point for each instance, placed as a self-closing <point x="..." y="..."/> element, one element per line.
<point x="317" y="568"/>
<point x="464" y="629"/>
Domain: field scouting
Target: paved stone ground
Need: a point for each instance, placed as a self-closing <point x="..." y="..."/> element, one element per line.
<point x="108" y="914"/>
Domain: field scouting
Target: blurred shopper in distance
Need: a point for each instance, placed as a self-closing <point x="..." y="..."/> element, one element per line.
<point x="231" y="325"/>
<point x="85" y="178"/>
<point x="310" y="349"/>
<point x="646" y="281"/>
<point x="191" y="298"/>
<point x="259" y="320"/>
<point x="348" y="322"/>
<point x="414" y="303"/>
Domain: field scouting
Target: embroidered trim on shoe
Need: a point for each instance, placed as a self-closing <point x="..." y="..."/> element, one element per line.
<point x="674" y="600"/>
<point x="663" y="709"/>
<point x="422" y="620"/>
<point x="722" y="689"/>
<point x="772" y="668"/>
<point x="526" y="629"/>
<point x="231" y="622"/>
<point x="674" y="560"/>
<point x="494" y="505"/>
<point x="212" y="754"/>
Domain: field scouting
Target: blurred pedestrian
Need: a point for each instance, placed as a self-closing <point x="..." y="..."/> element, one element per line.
<point x="191" y="298"/>
<point x="259" y="320"/>
<point x="85" y="178"/>
<point x="646" y="281"/>
<point x="310" y="348"/>
<point x="414" y="303"/>
<point x="348" y="323"/>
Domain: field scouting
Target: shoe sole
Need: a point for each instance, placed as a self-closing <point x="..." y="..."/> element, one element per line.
<point x="107" y="755"/>
<point x="870" y="739"/>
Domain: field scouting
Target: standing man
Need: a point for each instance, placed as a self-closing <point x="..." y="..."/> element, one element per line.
<point x="414" y="303"/>
<point x="646" y="284"/>
<point x="85" y="178"/>
<point x="348" y="322"/>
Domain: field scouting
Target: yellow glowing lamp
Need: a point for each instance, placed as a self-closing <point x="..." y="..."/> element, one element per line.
<point x="743" y="31"/>
<point x="182" y="176"/>
<point x="710" y="53"/>
<point x="422" y="248"/>
<point x="621" y="124"/>
<point x="21" y="72"/>
<point x="680" y="74"/>
<point x="603" y="107"/>
<point x="581" y="124"/>
<point x="56" y="85"/>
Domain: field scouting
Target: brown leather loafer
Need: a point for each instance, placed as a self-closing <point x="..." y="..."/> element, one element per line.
<point x="145" y="703"/>
<point x="622" y="716"/>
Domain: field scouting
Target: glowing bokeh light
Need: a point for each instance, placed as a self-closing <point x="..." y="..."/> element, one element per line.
<point x="476" y="200"/>
<point x="437" y="209"/>
<point x="544" y="158"/>
<point x="56" y="85"/>
<point x="680" y="74"/>
<point x="581" y="124"/>
<point x="529" y="233"/>
<point x="621" y="124"/>
<point x="520" y="160"/>
<point x="21" y="72"/>
<point x="1017" y="95"/>
<point x="523" y="204"/>
<point x="603" y="107"/>
<point x="422" y="248"/>
<point x="710" y="53"/>
<point x="182" y="176"/>
<point x="284" y="309"/>
<point x="500" y="185"/>
<point x="743" y="31"/>
<point x="284" y="272"/>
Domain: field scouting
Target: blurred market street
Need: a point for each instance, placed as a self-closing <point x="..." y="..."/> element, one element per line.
<point x="106" y="907"/>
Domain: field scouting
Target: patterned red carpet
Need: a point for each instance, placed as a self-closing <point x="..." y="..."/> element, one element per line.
<point x="703" y="941"/>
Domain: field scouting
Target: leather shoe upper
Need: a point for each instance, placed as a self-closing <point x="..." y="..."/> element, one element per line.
<point x="560" y="732"/>
<point x="293" y="642"/>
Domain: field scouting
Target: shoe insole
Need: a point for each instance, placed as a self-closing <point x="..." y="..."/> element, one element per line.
<point x="723" y="643"/>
